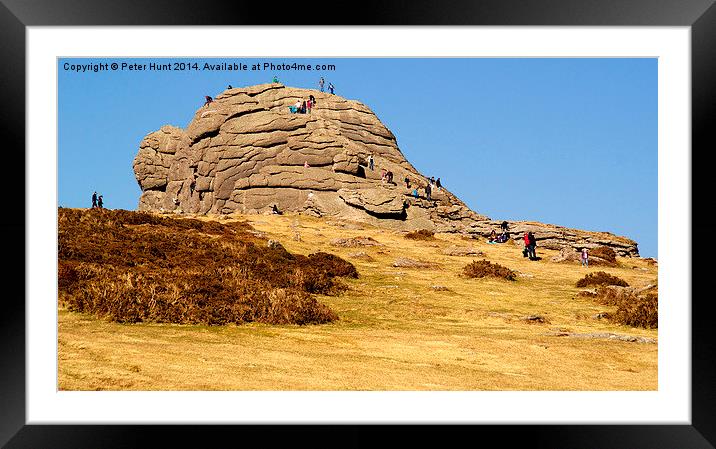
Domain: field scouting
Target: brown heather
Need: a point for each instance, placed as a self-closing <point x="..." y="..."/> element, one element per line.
<point x="606" y="253"/>
<point x="601" y="278"/>
<point x="132" y="267"/>
<point x="422" y="234"/>
<point x="636" y="309"/>
<point x="484" y="268"/>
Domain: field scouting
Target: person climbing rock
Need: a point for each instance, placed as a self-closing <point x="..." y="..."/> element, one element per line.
<point x="428" y="191"/>
<point x="320" y="84"/>
<point x="415" y="193"/>
<point x="330" y="88"/>
<point x="389" y="177"/>
<point x="208" y="100"/>
<point x="437" y="183"/>
<point x="100" y="202"/>
<point x="407" y="182"/>
<point x="585" y="257"/>
<point x="94" y="200"/>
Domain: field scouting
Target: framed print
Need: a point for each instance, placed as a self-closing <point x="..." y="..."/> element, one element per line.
<point x="268" y="245"/>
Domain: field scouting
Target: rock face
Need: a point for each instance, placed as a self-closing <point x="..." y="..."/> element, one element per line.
<point x="247" y="152"/>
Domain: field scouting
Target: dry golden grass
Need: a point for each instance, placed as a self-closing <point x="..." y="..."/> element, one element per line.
<point x="396" y="331"/>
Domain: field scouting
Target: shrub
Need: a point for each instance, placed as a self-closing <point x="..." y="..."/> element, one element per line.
<point x="483" y="268"/>
<point x="601" y="278"/>
<point x="635" y="307"/>
<point x="604" y="252"/>
<point x="422" y="234"/>
<point x="132" y="267"/>
<point x="638" y="311"/>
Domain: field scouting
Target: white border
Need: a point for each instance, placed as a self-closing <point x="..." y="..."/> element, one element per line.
<point x="670" y="404"/>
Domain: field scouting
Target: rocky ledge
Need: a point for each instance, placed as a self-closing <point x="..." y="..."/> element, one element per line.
<point x="247" y="152"/>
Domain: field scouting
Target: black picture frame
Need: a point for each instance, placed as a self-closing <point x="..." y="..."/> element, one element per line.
<point x="16" y="15"/>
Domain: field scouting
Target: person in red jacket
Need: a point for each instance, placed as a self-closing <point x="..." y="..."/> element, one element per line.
<point x="526" y="251"/>
<point x="533" y="245"/>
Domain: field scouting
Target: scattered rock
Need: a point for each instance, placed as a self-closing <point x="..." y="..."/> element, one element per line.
<point x="405" y="262"/>
<point x="462" y="251"/>
<point x="535" y="319"/>
<point x="607" y="336"/>
<point x="354" y="242"/>
<point x="362" y="255"/>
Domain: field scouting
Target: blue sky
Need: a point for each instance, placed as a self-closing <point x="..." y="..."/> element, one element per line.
<point x="571" y="142"/>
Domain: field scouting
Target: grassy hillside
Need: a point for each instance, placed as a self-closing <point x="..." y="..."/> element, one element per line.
<point x="421" y="325"/>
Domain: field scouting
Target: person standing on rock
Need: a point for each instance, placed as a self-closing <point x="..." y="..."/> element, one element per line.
<point x="330" y="88"/>
<point x="415" y="193"/>
<point x="94" y="200"/>
<point x="526" y="251"/>
<point x="371" y="162"/>
<point x="437" y="183"/>
<point x="407" y="182"/>
<point x="585" y="257"/>
<point x="208" y="100"/>
<point x="275" y="79"/>
<point x="303" y="107"/>
<point x="428" y="191"/>
<point x="320" y="83"/>
<point x="100" y="203"/>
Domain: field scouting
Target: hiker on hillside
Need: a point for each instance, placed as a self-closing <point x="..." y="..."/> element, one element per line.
<point x="428" y="191"/>
<point x="94" y="200"/>
<point x="389" y="177"/>
<point x="371" y="162"/>
<point x="415" y="192"/>
<point x="330" y="88"/>
<point x="275" y="79"/>
<point x="320" y="83"/>
<point x="407" y="182"/>
<point x="432" y="180"/>
<point x="585" y="257"/>
<point x="437" y="183"/>
<point x="533" y="246"/>
<point x="208" y="100"/>
<point x="303" y="107"/>
<point x="100" y="203"/>
<point x="526" y="250"/>
<point x="383" y="174"/>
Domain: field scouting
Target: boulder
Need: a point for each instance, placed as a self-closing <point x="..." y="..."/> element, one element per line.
<point x="246" y="152"/>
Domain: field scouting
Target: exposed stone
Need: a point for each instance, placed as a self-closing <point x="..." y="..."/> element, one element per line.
<point x="405" y="262"/>
<point x="462" y="251"/>
<point x="245" y="152"/>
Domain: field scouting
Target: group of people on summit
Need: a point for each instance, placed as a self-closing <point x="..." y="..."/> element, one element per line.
<point x="301" y="106"/>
